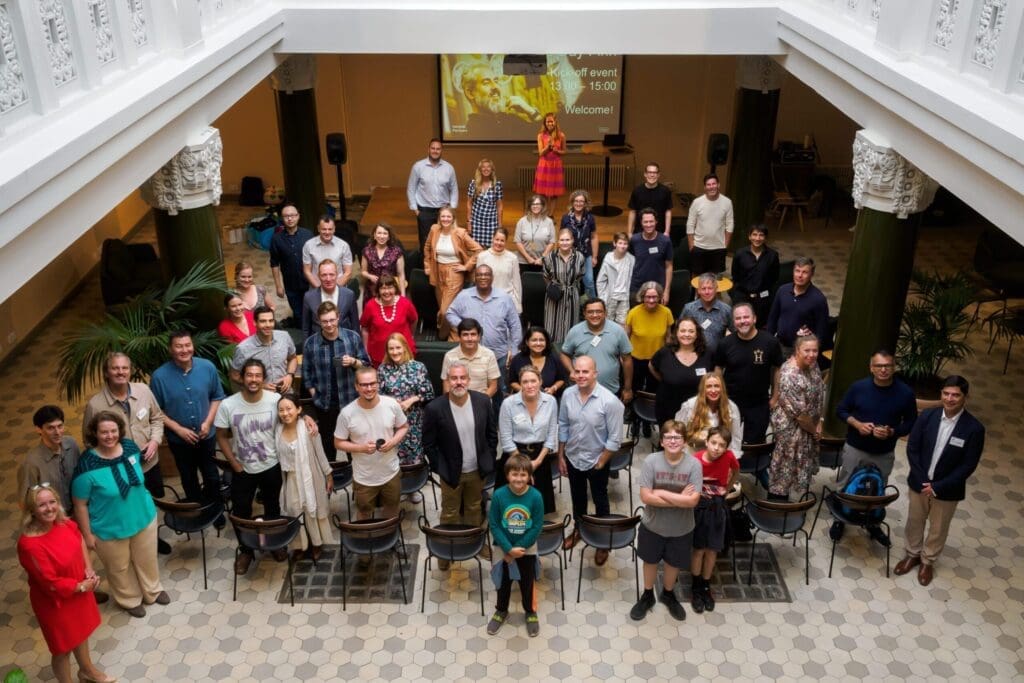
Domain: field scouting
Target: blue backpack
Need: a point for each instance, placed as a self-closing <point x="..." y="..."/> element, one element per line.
<point x="866" y="480"/>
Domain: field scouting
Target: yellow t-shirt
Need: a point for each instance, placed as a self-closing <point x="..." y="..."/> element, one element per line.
<point x="647" y="329"/>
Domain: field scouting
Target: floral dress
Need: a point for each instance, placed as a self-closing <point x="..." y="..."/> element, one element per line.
<point x="400" y="382"/>
<point x="380" y="265"/>
<point x="795" y="459"/>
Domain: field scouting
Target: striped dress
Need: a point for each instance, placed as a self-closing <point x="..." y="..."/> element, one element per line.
<point x="548" y="179"/>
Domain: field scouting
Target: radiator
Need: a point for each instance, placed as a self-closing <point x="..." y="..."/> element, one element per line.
<point x="582" y="176"/>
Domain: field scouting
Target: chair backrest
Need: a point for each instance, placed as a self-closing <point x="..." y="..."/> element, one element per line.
<point x="622" y="458"/>
<point x="866" y="504"/>
<point x="644" y="404"/>
<point x="432" y="356"/>
<point x="268" y="534"/>
<point x="756" y="456"/>
<point x="422" y="295"/>
<point x="830" y="451"/>
<point x="453" y="544"/>
<point x="552" y="536"/>
<point x="792" y="515"/>
<point x="368" y="531"/>
<point x="341" y="473"/>
<point x="610" y="532"/>
<point x="414" y="477"/>
<point x="533" y="297"/>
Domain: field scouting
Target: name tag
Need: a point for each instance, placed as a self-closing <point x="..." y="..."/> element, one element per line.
<point x="706" y="324"/>
<point x="956" y="441"/>
<point x="132" y="459"/>
<point x="595" y="341"/>
<point x="520" y="419"/>
<point x="652" y="250"/>
<point x="764" y="294"/>
<point x="142" y="413"/>
<point x="700" y="371"/>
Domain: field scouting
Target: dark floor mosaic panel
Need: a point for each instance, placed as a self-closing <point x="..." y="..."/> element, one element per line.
<point x="373" y="580"/>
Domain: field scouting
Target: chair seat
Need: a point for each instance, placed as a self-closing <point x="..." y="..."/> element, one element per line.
<point x="370" y="545"/>
<point x="619" y="461"/>
<point x="193" y="523"/>
<point x="775" y="523"/>
<point x="268" y="541"/>
<point x="455" y="549"/>
<point x="598" y="537"/>
<point x="341" y="474"/>
<point x="549" y="541"/>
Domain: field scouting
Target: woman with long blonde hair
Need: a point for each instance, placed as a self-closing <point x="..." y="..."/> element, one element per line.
<point x="449" y="256"/>
<point x="484" y="207"/>
<point x="711" y="407"/>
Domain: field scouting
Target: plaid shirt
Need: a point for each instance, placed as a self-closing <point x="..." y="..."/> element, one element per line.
<point x="320" y="372"/>
<point x="485" y="212"/>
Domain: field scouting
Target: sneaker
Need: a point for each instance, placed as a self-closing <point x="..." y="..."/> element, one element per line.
<point x="163" y="547"/>
<point x="675" y="608"/>
<point x="494" y="625"/>
<point x="644" y="605"/>
<point x="697" y="598"/>
<point x="835" y="532"/>
<point x="879" y="536"/>
<point x="532" y="624"/>
<point x="708" y="599"/>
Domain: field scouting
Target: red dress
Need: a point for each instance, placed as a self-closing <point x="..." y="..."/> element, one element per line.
<point x="230" y="333"/>
<point x="549" y="180"/>
<point x="55" y="566"/>
<point x="403" y="317"/>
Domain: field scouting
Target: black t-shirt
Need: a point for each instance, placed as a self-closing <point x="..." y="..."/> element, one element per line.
<point x="748" y="366"/>
<point x="678" y="382"/>
<point x="659" y="199"/>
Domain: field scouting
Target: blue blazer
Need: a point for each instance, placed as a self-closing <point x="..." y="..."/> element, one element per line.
<point x="348" y="315"/>
<point x="956" y="463"/>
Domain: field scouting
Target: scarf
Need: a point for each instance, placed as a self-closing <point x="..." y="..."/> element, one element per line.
<point x="92" y="460"/>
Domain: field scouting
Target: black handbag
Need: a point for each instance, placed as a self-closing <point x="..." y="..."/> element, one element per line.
<point x="554" y="291"/>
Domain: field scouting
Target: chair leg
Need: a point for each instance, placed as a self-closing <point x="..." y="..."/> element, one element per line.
<point x="344" y="579"/>
<point x="423" y="599"/>
<point x="818" y="512"/>
<point x="629" y="473"/>
<point x="202" y="538"/>
<point x="750" y="574"/>
<point x="234" y="585"/>
<point x="832" y="559"/>
<point x="579" y="581"/>
<point x="807" y="557"/>
<point x="480" y="575"/>
<point x="291" y="586"/>
<point x="561" y="578"/>
<point x="401" y="575"/>
<point x="888" y="531"/>
<point x="636" y="572"/>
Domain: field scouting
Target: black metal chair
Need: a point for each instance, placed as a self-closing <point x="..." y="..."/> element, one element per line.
<point x="644" y="412"/>
<point x="227" y="475"/>
<point x="453" y="543"/>
<point x="266" y="536"/>
<point x="622" y="459"/>
<point x="534" y="290"/>
<point x="190" y="518"/>
<point x="370" y="537"/>
<point x="341" y="475"/>
<point x="756" y="458"/>
<point x="854" y="510"/>
<point x="414" y="479"/>
<point x="422" y="295"/>
<point x="783" y="520"/>
<point x="831" y="453"/>
<point x="608" y="532"/>
<point x="680" y="291"/>
<point x="550" y="542"/>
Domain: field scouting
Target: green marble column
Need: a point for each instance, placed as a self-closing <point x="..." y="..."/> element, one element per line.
<point x="758" y="81"/>
<point x="891" y="194"/>
<point x="185" y="239"/>
<point x="299" y="135"/>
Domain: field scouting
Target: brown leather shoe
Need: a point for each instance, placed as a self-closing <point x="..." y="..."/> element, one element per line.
<point x="242" y="563"/>
<point x="924" y="574"/>
<point x="571" y="540"/>
<point x="316" y="552"/>
<point x="600" y="557"/>
<point x="280" y="554"/>
<point x="906" y="564"/>
<point x="444" y="565"/>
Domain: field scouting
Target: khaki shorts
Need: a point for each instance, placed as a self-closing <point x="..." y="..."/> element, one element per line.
<point x="369" y="498"/>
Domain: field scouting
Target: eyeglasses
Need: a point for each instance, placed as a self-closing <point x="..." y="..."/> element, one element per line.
<point x="671" y="437"/>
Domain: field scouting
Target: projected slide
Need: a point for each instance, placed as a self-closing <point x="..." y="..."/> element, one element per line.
<point x="503" y="98"/>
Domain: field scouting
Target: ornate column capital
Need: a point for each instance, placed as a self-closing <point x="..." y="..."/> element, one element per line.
<point x="191" y="179"/>
<point x="297" y="72"/>
<point x="759" y="73"/>
<point x="885" y="181"/>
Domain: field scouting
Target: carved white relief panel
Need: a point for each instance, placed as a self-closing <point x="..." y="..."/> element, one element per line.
<point x="876" y="9"/>
<point x="945" y="23"/>
<point x="986" y="36"/>
<point x="137" y="11"/>
<point x="191" y="179"/>
<point x="58" y="41"/>
<point x="13" y="92"/>
<point x="99" y="21"/>
<point x="851" y="5"/>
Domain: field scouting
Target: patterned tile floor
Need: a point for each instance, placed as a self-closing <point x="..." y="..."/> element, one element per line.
<point x="856" y="625"/>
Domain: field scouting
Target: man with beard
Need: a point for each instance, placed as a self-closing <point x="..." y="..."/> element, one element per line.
<point x="495" y="114"/>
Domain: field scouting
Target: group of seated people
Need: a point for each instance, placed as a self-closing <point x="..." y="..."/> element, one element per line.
<point x="514" y="406"/>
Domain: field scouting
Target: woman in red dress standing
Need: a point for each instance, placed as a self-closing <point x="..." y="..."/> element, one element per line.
<point x="61" y="584"/>
<point x="548" y="179"/>
<point x="384" y="315"/>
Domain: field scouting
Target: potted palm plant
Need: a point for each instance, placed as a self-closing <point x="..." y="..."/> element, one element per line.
<point x="141" y="327"/>
<point x="934" y="328"/>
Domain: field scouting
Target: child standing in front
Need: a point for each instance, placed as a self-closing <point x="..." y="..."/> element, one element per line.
<point x="720" y="468"/>
<point x="670" y="483"/>
<point x="516" y="519"/>
<point x="613" y="278"/>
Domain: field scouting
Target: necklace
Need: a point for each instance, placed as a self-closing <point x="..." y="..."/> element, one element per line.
<point x="394" y="311"/>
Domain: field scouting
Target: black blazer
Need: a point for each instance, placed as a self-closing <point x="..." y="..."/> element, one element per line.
<point x="958" y="460"/>
<point x="441" y="441"/>
<point x="348" y="315"/>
